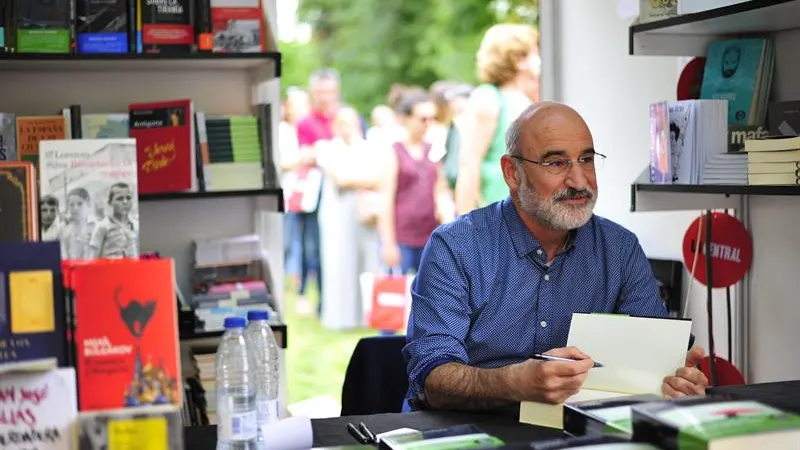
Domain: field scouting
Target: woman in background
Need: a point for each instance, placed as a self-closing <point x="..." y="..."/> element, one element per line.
<point x="410" y="186"/>
<point x="508" y="67"/>
<point x="294" y="107"/>
<point x="350" y="167"/>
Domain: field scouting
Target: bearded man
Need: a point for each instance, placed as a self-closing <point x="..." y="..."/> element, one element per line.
<point x="501" y="283"/>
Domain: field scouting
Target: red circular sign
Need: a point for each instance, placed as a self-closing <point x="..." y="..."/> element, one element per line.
<point x="731" y="250"/>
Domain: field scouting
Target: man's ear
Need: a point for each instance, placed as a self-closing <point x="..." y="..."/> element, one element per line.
<point x="510" y="172"/>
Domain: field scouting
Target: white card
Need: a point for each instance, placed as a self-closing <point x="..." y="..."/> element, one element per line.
<point x="636" y="352"/>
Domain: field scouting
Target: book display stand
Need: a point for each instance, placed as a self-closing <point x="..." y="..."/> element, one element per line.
<point x="765" y="310"/>
<point x="217" y="84"/>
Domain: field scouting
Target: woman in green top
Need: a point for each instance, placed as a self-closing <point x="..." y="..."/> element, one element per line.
<point x="508" y="67"/>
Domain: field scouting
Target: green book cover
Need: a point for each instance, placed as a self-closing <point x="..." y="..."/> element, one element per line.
<point x="43" y="26"/>
<point x="703" y="425"/>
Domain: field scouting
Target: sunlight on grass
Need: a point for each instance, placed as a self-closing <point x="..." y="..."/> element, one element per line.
<point x="316" y="358"/>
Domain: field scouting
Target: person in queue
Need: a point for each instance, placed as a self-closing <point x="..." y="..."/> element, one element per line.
<point x="501" y="283"/>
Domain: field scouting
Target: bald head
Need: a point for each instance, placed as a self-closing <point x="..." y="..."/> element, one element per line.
<point x="544" y="120"/>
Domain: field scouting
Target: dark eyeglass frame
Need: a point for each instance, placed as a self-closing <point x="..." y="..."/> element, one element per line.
<point x="554" y="167"/>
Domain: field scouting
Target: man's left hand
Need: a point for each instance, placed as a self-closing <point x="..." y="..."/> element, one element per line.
<point x="688" y="380"/>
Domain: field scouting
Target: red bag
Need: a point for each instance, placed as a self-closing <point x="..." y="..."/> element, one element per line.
<point x="389" y="303"/>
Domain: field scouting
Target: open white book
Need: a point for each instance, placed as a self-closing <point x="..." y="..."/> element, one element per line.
<point x="636" y="353"/>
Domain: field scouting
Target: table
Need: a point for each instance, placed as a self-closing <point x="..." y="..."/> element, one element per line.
<point x="333" y="431"/>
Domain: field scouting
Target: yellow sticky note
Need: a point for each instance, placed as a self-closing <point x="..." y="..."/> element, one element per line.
<point x="31" y="301"/>
<point x="146" y="433"/>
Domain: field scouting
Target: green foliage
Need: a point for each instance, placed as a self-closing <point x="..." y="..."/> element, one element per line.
<point x="376" y="43"/>
<point x="299" y="62"/>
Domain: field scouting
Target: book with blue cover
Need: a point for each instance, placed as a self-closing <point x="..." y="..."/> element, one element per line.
<point x="734" y="70"/>
<point x="32" y="317"/>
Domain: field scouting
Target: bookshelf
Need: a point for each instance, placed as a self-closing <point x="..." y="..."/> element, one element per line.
<point x="766" y="311"/>
<point x="217" y="84"/>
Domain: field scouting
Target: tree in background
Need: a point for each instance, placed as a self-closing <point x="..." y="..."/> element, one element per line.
<point x="377" y="43"/>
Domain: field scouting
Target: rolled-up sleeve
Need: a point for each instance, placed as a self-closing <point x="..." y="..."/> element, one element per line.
<point x="440" y="312"/>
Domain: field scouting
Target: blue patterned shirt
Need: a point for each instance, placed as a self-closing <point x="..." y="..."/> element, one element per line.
<point x="485" y="296"/>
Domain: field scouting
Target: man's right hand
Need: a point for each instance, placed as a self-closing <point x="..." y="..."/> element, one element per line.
<point x="551" y="381"/>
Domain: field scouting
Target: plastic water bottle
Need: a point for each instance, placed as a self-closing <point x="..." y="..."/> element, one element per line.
<point x="237" y="426"/>
<point x="266" y="367"/>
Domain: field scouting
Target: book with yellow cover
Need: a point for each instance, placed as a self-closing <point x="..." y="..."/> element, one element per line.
<point x="32" y="318"/>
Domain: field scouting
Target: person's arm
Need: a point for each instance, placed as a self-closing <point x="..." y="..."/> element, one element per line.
<point x="443" y="198"/>
<point x="477" y="129"/>
<point x="306" y="138"/>
<point x="439" y="324"/>
<point x="388" y="190"/>
<point x="438" y="363"/>
<point x="288" y="147"/>
<point x="639" y="295"/>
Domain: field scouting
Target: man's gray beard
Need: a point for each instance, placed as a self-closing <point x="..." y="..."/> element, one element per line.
<point x="552" y="213"/>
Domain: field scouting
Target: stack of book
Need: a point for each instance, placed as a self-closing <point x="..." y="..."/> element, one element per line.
<point x="104" y="368"/>
<point x="773" y="160"/>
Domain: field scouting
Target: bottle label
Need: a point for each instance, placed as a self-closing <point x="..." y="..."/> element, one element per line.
<point x="237" y="426"/>
<point x="267" y="410"/>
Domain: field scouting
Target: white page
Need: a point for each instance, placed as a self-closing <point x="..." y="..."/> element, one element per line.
<point x="637" y="352"/>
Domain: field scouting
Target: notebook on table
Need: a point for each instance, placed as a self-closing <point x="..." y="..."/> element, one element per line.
<point x="636" y="353"/>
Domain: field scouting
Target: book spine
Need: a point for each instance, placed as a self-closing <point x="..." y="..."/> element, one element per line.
<point x="265" y="135"/>
<point x="647" y="428"/>
<point x="204" y="26"/>
<point x="575" y="421"/>
<point x="76" y="121"/>
<point x="132" y="23"/>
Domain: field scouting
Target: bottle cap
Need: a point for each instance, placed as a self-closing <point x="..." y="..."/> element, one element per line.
<point x="235" y="322"/>
<point x="258" y="314"/>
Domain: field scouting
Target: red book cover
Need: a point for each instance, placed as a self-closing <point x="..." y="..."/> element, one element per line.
<point x="164" y="134"/>
<point x="238" y="26"/>
<point x="126" y="334"/>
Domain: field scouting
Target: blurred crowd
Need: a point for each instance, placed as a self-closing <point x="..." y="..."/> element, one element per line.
<point x="363" y="194"/>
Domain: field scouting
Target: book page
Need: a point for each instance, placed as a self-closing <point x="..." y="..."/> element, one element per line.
<point x="636" y="352"/>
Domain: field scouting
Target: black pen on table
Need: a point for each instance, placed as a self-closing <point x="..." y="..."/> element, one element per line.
<point x="559" y="358"/>
<point x="362" y="434"/>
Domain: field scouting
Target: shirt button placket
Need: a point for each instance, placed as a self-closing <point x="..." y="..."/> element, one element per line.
<point x="544" y="309"/>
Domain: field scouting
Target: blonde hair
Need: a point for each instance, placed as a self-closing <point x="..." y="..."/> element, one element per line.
<point x="502" y="49"/>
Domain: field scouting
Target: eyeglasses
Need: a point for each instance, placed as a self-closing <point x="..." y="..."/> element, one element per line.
<point x="560" y="166"/>
<point x="426" y="119"/>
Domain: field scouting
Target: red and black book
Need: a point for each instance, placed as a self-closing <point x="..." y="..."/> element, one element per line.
<point x="165" y="26"/>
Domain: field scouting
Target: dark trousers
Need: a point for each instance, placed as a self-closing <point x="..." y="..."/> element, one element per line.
<point x="310" y="258"/>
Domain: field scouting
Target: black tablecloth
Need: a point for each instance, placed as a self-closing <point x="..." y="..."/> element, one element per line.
<point x="333" y="431"/>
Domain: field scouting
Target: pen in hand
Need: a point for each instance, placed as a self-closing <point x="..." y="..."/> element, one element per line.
<point x="558" y="358"/>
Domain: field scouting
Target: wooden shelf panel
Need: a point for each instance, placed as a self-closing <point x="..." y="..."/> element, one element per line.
<point x="173" y="196"/>
<point x="138" y="62"/>
<point x="209" y="337"/>
<point x="690" y="34"/>
<point x="724" y="189"/>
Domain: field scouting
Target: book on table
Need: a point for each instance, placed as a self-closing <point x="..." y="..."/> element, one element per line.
<point x="637" y="353"/>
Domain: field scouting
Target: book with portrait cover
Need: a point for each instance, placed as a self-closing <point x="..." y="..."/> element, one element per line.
<point x="32" y="309"/>
<point x="88" y="195"/>
<point x="165" y="146"/>
<point x="126" y="333"/>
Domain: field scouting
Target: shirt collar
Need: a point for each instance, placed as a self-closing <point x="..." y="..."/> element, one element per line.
<point x="522" y="239"/>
